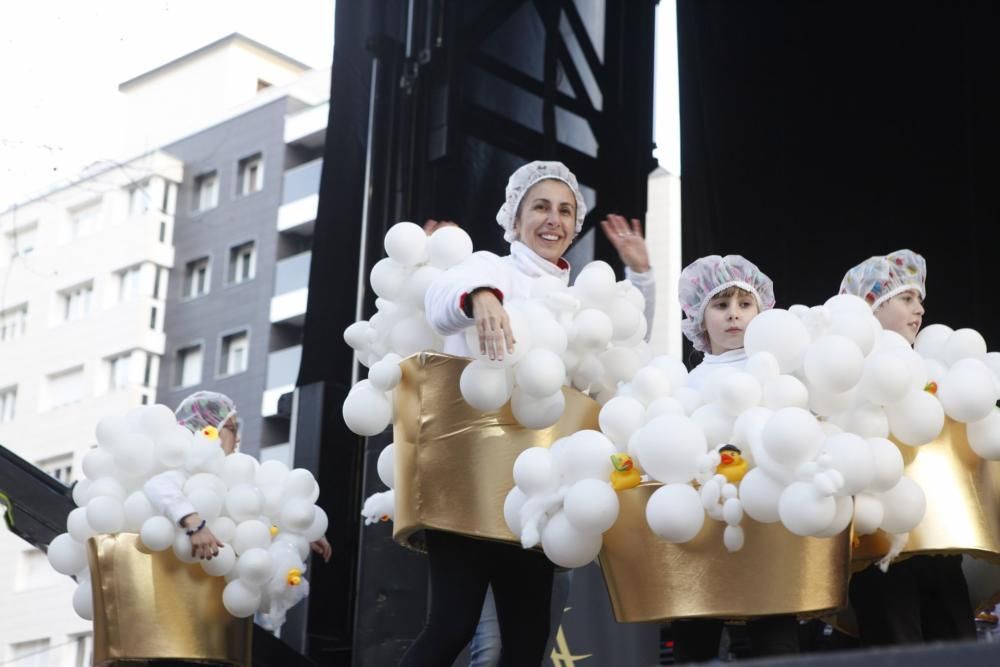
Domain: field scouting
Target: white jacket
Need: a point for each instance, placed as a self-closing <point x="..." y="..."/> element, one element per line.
<point x="166" y="495"/>
<point x="512" y="276"/>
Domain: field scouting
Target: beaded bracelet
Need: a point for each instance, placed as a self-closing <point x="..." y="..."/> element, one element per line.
<point x="195" y="530"/>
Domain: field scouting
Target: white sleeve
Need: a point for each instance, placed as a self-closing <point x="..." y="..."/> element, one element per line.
<point x="166" y="495"/>
<point x="646" y="283"/>
<point x="443" y="301"/>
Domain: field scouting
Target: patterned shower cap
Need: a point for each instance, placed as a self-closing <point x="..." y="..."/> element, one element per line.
<point x="205" y="408"/>
<point x="522" y="180"/>
<point x="878" y="279"/>
<point x="704" y="278"/>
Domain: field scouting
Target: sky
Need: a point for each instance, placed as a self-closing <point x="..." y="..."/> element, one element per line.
<point x="61" y="62"/>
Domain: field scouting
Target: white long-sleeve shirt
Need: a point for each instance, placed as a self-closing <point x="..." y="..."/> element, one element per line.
<point x="166" y="494"/>
<point x="512" y="276"/>
<point x="713" y="363"/>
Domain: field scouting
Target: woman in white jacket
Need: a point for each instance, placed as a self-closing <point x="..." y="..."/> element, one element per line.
<point x="542" y="214"/>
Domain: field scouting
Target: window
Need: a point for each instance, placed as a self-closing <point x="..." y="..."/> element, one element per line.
<point x="75" y="302"/>
<point x="251" y="174"/>
<point x="196" y="278"/>
<point x="84" y="650"/>
<point x="22" y="241"/>
<point x="128" y="282"/>
<point x="188" y="371"/>
<point x="8" y="401"/>
<point x="65" y="387"/>
<point x="242" y="263"/>
<point x="118" y="371"/>
<point x="150" y="370"/>
<point x="138" y="199"/>
<point x="82" y="222"/>
<point x="13" y="322"/>
<point x="59" y="467"/>
<point x="262" y="84"/>
<point x="206" y="191"/>
<point x="169" y="203"/>
<point x="234" y="353"/>
<point x="31" y="654"/>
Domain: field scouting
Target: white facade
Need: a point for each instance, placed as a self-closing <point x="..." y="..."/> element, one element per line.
<point x="84" y="273"/>
<point x="663" y="238"/>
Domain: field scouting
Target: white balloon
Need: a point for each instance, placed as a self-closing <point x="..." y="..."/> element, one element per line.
<point x="416" y="286"/>
<point x="596" y="284"/>
<point x="485" y="387"/>
<point x="887" y="464"/>
<point x="665" y="405"/>
<point x="968" y="392"/>
<point x="826" y="404"/>
<point x="546" y="333"/>
<point x="157" y="533"/>
<point x="134" y="454"/>
<point x="221" y="565"/>
<point x="904" y="506"/>
<point x="625" y="319"/>
<point x="250" y="535"/>
<point x="512" y="505"/>
<point x="804" y="510"/>
<point x="317" y="528"/>
<point x="537" y="412"/>
<point x="833" y="364"/>
<point x="204" y="480"/>
<point x="386" y="465"/>
<point x="792" y="436"/>
<point x="620" y="418"/>
<point x="271" y="474"/>
<point x="868" y="513"/>
<point x="296" y="515"/>
<point x="763" y="366"/>
<point x="748" y="428"/>
<point x="406" y="243"/>
<point x="105" y="514"/>
<point x="592" y="330"/>
<point x="387" y="279"/>
<point x="732" y="538"/>
<point x="239" y="468"/>
<point x="759" y="494"/>
<point x="83" y="601"/>
<point x="223" y="528"/>
<point x="81" y="492"/>
<point x="448" y="246"/>
<point x="111" y="430"/>
<point x="886" y="379"/>
<point x="204" y="455"/>
<point x="688" y="397"/>
<point x="137" y="509"/>
<point x="540" y="373"/>
<point x="851" y="455"/>
<point x="931" y="341"/>
<point x="566" y="546"/>
<point x="591" y="506"/>
<point x="239" y="599"/>
<point x="732" y="510"/>
<point x="817" y="321"/>
<point x="589" y="371"/>
<point x="77" y="526"/>
<point x="66" y="555"/>
<point x="584" y="455"/>
<point x="842" y="518"/>
<point x="785" y="391"/>
<point x="964" y="344"/>
<point x="739" y="392"/>
<point x="859" y="328"/>
<point x="243" y="502"/>
<point x="715" y="423"/>
<point x="674" y="512"/>
<point x="300" y="483"/>
<point x="866" y="420"/>
<point x="782" y="334"/>
<point x="183" y="548"/>
<point x="386" y="374"/>
<point x="671" y="448"/>
<point x="254" y="566"/>
<point x="534" y="472"/>
<point x="156" y="420"/>
<point x="847" y="303"/>
<point x="171" y="448"/>
<point x="367" y="411"/>
<point x="359" y="334"/>
<point x="413" y="334"/>
<point x="917" y="419"/>
<point x="98" y="462"/>
<point x="984" y="436"/>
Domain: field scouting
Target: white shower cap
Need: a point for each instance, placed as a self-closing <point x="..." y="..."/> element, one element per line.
<point x="878" y="279"/>
<point x="705" y="277"/>
<point x="522" y="180"/>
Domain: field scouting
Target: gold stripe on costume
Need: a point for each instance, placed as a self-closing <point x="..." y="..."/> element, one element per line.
<point x="775" y="572"/>
<point x="149" y="605"/>
<point x="454" y="464"/>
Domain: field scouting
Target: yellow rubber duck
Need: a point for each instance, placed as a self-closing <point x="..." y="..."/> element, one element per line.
<point x="625" y="475"/>
<point x="733" y="466"/>
<point x="294" y="577"/>
<point x="274" y="530"/>
<point x="210" y="432"/>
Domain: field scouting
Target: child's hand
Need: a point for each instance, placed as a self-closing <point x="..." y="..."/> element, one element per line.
<point x="323" y="548"/>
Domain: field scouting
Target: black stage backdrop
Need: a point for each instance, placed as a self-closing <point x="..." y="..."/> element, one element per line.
<point x="816" y="134"/>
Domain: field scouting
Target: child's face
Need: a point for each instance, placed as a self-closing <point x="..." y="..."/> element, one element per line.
<point x="229" y="437"/>
<point x="903" y="313"/>
<point x="726" y="320"/>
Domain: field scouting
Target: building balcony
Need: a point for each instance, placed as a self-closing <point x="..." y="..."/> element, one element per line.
<point x="282" y="372"/>
<point x="300" y="198"/>
<point x="291" y="289"/>
<point x="307" y="128"/>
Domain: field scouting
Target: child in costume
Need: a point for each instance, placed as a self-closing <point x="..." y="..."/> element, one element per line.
<point x="719" y="297"/>
<point x="922" y="597"/>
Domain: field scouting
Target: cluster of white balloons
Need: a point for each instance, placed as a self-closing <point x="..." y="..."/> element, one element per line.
<point x="590" y="335"/>
<point x="264" y="513"/>
<point x="381" y="506"/>
<point x="563" y="498"/>
<point x="399" y="327"/>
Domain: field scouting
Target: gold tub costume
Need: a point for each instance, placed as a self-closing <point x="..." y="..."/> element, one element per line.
<point x="148" y="605"/>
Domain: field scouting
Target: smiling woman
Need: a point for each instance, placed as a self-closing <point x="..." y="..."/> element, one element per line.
<point x="546" y="219"/>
